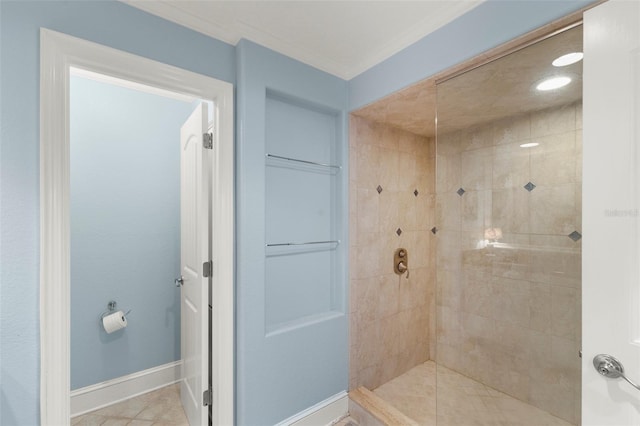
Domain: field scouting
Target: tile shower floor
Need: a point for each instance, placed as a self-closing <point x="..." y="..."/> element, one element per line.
<point x="461" y="401"/>
<point x="158" y="408"/>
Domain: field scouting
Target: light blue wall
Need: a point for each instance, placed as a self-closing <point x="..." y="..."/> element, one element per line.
<point x="111" y="23"/>
<point x="120" y="26"/>
<point x="488" y="25"/>
<point x="125" y="228"/>
<point x="292" y="110"/>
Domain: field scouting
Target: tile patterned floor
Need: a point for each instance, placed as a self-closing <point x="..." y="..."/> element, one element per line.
<point x="158" y="408"/>
<point x="461" y="401"/>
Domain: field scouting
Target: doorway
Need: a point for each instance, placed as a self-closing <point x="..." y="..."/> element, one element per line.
<point x="214" y="204"/>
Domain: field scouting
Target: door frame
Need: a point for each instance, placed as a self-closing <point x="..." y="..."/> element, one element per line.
<point x="59" y="52"/>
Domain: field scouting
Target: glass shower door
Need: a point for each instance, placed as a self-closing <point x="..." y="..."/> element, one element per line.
<point x="508" y="214"/>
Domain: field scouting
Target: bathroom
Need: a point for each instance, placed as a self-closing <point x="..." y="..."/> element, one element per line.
<point x="495" y="294"/>
<point x="487" y="204"/>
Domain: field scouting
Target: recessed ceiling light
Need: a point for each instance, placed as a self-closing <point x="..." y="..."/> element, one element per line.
<point x="529" y="145"/>
<point x="553" y="83"/>
<point x="568" y="59"/>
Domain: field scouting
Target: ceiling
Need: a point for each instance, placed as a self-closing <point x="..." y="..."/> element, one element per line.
<point x="341" y="37"/>
<point x="499" y="89"/>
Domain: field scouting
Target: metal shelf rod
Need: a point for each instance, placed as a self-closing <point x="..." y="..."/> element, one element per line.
<point x="304" y="161"/>
<point x="304" y="244"/>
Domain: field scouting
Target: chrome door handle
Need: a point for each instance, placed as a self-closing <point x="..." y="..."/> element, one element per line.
<point x="179" y="281"/>
<point x="611" y="368"/>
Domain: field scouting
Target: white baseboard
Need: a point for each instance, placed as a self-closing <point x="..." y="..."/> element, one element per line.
<point x="103" y="394"/>
<point x="323" y="413"/>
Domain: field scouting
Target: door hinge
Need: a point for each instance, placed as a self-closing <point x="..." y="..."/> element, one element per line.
<point x="207" y="398"/>
<point x="207" y="140"/>
<point x="207" y="268"/>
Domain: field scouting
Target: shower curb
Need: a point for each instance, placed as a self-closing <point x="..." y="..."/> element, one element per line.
<point x="368" y="409"/>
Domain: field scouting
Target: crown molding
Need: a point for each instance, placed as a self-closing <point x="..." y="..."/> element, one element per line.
<point x="221" y="30"/>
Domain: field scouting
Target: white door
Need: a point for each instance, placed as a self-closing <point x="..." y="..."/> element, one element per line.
<point x="611" y="262"/>
<point x="194" y="247"/>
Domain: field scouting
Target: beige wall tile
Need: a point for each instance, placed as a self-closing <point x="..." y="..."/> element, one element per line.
<point x="450" y="289"/>
<point x="513" y="129"/>
<point x="449" y="326"/>
<point x="565" y="313"/>
<point x="557" y="266"/>
<point x="353" y="163"/>
<point x="426" y="182"/>
<point x="410" y="143"/>
<point x="578" y="158"/>
<point x="479" y="297"/>
<point x="511" y="299"/>
<point x="388" y="293"/>
<point x="553" y="161"/>
<point x="413" y="291"/>
<point x="389" y="166"/>
<point x="448" y="211"/>
<point x="540" y="308"/>
<point x="406" y="171"/>
<point x="478" y="263"/>
<point x="422" y="251"/>
<point x="448" y="177"/>
<point x="553" y="242"/>
<point x="511" y="166"/>
<point x="448" y="252"/>
<point x="367" y="210"/>
<point x="477" y="138"/>
<point x="449" y="356"/>
<point x="511" y="263"/>
<point x="553" y="121"/>
<point x="366" y="132"/>
<point x="476" y="169"/>
<point x="511" y="210"/>
<point x="367" y="256"/>
<point x="552" y="385"/>
<point x="390" y="318"/>
<point x="390" y="137"/>
<point x="389" y="210"/>
<point x="475" y="210"/>
<point x="506" y="303"/>
<point x="425" y="215"/>
<point x="449" y="143"/>
<point x="368" y="166"/>
<point x="407" y="210"/>
<point x="368" y="348"/>
<point x="553" y="210"/>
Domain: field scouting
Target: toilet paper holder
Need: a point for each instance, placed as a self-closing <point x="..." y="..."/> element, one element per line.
<point x="111" y="308"/>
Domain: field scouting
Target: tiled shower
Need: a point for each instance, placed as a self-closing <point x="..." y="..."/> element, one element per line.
<point x="508" y="257"/>
<point x="392" y="187"/>
<point x="490" y="213"/>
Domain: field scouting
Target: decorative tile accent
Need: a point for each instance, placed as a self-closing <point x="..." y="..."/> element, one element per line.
<point x="575" y="235"/>
<point x="529" y="187"/>
<point x="379" y="189"/>
<point x="461" y="192"/>
<point x="398" y="231"/>
<point x="434" y="230"/>
<point x="415" y="192"/>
